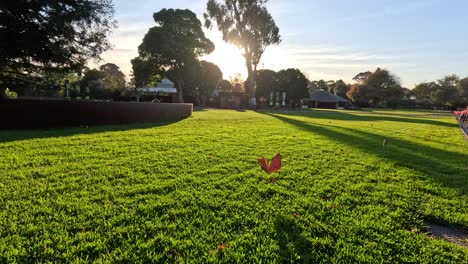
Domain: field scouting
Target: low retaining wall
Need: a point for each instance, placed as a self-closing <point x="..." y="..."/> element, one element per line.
<point x="31" y="114"/>
<point x="464" y="130"/>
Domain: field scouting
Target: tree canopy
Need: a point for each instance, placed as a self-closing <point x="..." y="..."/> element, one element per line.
<point x="450" y="91"/>
<point x="376" y="88"/>
<point x="175" y="44"/>
<point x="49" y="35"/>
<point x="267" y="82"/>
<point x="294" y="83"/>
<point x="106" y="82"/>
<point x="145" y="72"/>
<point x="208" y="80"/>
<point x="248" y="25"/>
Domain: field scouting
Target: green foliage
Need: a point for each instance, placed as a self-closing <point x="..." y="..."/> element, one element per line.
<point x="177" y="192"/>
<point x="248" y="25"/>
<point x="226" y="86"/>
<point x="145" y="72"/>
<point x="340" y="89"/>
<point x="175" y="44"/>
<point x="294" y="83"/>
<point x="106" y="82"/>
<point x="46" y="35"/>
<point x="425" y="89"/>
<point x="448" y="91"/>
<point x="321" y="84"/>
<point x="267" y="82"/>
<point x="209" y="78"/>
<point x="10" y="94"/>
<point x="376" y="88"/>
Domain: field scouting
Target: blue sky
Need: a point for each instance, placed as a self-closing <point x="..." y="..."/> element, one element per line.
<point x="417" y="40"/>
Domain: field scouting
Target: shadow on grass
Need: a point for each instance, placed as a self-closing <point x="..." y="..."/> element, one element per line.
<point x="365" y="116"/>
<point x="445" y="167"/>
<point x="15" y="135"/>
<point x="295" y="248"/>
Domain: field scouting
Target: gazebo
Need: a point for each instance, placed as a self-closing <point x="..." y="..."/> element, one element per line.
<point x="323" y="99"/>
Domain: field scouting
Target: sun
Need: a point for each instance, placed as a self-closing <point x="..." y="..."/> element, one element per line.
<point x="228" y="58"/>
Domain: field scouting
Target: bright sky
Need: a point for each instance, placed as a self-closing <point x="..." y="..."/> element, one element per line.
<point x="417" y="40"/>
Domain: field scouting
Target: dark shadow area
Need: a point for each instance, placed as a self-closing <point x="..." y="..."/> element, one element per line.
<point x="445" y="167"/>
<point x="373" y="117"/>
<point x="292" y="242"/>
<point x="42" y="114"/>
<point x="15" y="135"/>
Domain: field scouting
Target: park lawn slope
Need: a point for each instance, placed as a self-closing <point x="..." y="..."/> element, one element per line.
<point x="192" y="191"/>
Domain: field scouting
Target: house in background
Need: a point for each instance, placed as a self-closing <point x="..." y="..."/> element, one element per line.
<point x="234" y="99"/>
<point x="164" y="91"/>
<point x="322" y="99"/>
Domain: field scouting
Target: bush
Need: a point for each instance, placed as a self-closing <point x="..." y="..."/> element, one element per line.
<point x="10" y="94"/>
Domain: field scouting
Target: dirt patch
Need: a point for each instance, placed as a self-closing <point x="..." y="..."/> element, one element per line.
<point x="449" y="234"/>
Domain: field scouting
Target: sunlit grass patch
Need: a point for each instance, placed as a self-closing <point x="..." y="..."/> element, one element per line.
<point x="193" y="191"/>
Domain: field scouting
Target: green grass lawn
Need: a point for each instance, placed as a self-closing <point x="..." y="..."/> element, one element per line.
<point x="193" y="192"/>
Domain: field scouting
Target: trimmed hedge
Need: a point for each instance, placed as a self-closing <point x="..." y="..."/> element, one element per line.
<point x="32" y="114"/>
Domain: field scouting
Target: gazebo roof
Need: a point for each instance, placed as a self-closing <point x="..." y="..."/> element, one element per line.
<point x="325" y="97"/>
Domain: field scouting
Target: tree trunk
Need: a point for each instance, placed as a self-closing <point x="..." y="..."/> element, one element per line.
<point x="250" y="84"/>
<point x="203" y="100"/>
<point x="180" y="97"/>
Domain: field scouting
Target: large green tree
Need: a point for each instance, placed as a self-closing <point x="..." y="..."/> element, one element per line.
<point x="376" y="88"/>
<point x="446" y="92"/>
<point x="425" y="90"/>
<point x="463" y="91"/>
<point x="248" y="25"/>
<point x="175" y="44"/>
<point x="145" y="72"/>
<point x="294" y="83"/>
<point x="266" y="83"/>
<point x="340" y="88"/>
<point x="106" y="82"/>
<point x="42" y="36"/>
<point x="209" y="78"/>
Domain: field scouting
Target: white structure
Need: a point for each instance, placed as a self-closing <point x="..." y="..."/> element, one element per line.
<point x="164" y="86"/>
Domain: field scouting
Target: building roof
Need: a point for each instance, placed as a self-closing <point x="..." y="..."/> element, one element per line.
<point x="162" y="90"/>
<point x="164" y="86"/>
<point x="325" y="97"/>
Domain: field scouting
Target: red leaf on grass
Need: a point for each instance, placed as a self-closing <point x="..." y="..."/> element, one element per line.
<point x="273" y="166"/>
<point x="222" y="246"/>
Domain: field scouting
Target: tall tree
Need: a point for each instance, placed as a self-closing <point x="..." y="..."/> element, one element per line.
<point x="175" y="44"/>
<point x="106" y="82"/>
<point x="112" y="77"/>
<point x="340" y="88"/>
<point x="248" y="25"/>
<point x="379" y="87"/>
<point x="208" y="80"/>
<point x="145" y="72"/>
<point x="463" y="91"/>
<point x="294" y="83"/>
<point x="424" y="90"/>
<point x="446" y="92"/>
<point x="46" y="35"/>
<point x="317" y="85"/>
<point x="226" y="86"/>
<point x="266" y="83"/>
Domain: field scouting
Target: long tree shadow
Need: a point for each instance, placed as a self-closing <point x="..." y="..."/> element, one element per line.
<point x="364" y="116"/>
<point x="16" y="135"/>
<point x="448" y="168"/>
<point x="296" y="248"/>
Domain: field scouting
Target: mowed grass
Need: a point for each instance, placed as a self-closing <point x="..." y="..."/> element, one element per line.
<point x="193" y="192"/>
